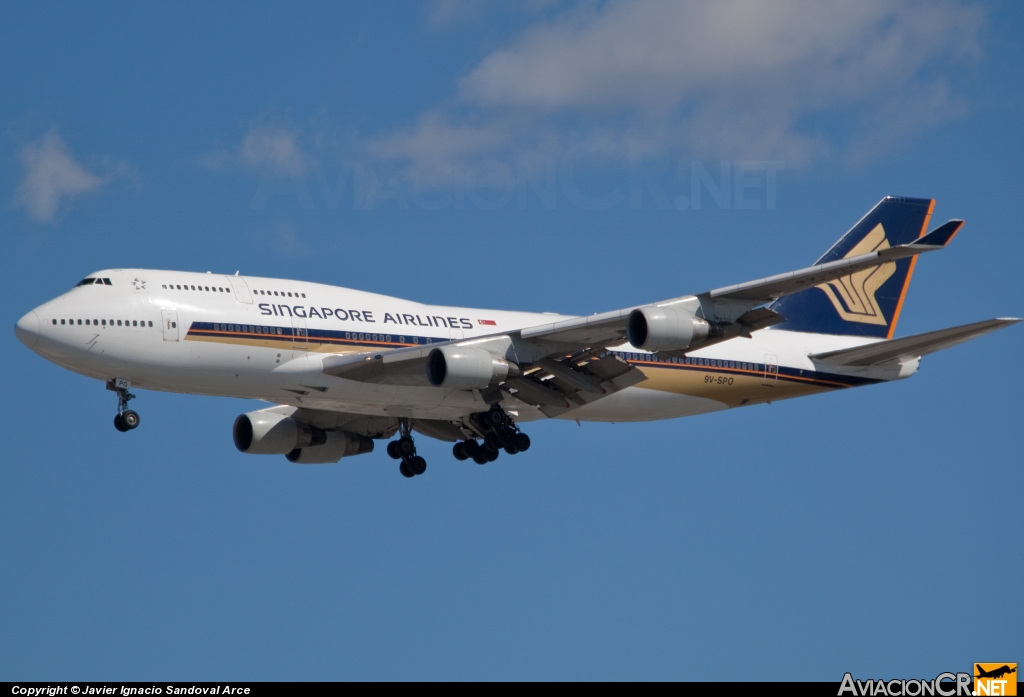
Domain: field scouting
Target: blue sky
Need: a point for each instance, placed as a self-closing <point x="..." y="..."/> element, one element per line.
<point x="540" y="156"/>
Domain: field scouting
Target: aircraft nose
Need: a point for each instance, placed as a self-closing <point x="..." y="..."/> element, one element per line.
<point x="27" y="329"/>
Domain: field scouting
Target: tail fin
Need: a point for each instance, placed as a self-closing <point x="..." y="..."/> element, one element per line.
<point x="866" y="303"/>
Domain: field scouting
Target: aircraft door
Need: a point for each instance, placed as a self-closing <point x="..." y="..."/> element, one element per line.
<point x="771" y="370"/>
<point x="169" y="320"/>
<point x="300" y="335"/>
<point x="241" y="289"/>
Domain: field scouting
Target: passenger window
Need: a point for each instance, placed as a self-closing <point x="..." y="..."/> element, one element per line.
<point x="165" y="286"/>
<point x="275" y="292"/>
<point x="55" y="321"/>
<point x="86" y="322"/>
<point x="104" y="323"/>
<point x="79" y="321"/>
<point x="119" y="323"/>
<point x="179" y="287"/>
<point x="151" y="324"/>
<point x="303" y="295"/>
<point x="62" y="321"/>
<point x="289" y="295"/>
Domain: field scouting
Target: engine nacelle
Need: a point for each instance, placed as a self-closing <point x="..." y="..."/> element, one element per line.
<point x="664" y="328"/>
<point x="270" y="433"/>
<point x="465" y="368"/>
<point x="337" y="445"/>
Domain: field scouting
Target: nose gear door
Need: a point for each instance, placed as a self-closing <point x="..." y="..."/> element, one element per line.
<point x="169" y="319"/>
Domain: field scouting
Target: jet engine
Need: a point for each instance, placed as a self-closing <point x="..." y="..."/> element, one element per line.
<point x="664" y="329"/>
<point x="271" y="433"/>
<point x="466" y="368"/>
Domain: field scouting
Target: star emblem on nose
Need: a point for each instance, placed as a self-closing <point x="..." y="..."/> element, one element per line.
<point x="139" y="285"/>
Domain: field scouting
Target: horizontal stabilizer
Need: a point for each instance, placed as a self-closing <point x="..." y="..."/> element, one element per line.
<point x="912" y="346"/>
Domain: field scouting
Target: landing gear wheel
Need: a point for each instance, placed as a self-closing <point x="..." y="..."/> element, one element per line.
<point x="491" y="454"/>
<point x="126" y="419"/>
<point x="459" y="451"/>
<point x="494" y="418"/>
<point x="511" y="449"/>
<point x="130" y="419"/>
<point x="492" y="441"/>
<point x="393" y="450"/>
<point x="507" y="436"/>
<point x="405" y="446"/>
<point x="404" y="469"/>
<point x="480" y="458"/>
<point x="471" y="448"/>
<point x="417" y="465"/>
<point x="522" y="442"/>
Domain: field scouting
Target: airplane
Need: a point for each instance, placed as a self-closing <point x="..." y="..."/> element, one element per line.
<point x="343" y="368"/>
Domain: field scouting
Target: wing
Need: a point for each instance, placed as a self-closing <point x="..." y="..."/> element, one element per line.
<point x="563" y="365"/>
<point x="912" y="346"/>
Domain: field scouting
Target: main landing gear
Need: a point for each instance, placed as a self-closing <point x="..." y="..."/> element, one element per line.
<point x="125" y="419"/>
<point x="404" y="449"/>
<point x="500" y="432"/>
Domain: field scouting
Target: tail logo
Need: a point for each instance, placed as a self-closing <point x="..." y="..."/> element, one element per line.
<point x="853" y="296"/>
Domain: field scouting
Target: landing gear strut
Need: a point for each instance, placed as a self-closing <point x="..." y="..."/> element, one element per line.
<point x="125" y="419"/>
<point x="500" y="432"/>
<point x="404" y="449"/>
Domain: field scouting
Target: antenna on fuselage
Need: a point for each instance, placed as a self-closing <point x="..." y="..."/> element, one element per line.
<point x="236" y="273"/>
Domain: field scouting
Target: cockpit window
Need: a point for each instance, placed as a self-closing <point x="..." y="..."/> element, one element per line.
<point x="86" y="282"/>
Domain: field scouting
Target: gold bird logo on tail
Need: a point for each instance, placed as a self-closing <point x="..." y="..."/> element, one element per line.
<point x="853" y="296"/>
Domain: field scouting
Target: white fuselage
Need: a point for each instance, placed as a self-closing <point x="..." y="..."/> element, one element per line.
<point x="262" y="338"/>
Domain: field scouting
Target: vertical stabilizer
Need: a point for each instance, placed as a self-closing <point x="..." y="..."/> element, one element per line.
<point x="866" y="303"/>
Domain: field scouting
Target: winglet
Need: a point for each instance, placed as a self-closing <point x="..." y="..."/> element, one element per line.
<point x="940" y="236"/>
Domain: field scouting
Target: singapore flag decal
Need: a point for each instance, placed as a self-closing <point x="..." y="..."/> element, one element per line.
<point x="489" y="322"/>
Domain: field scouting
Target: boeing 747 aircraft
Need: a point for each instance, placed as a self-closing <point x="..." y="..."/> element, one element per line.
<point x="344" y="367"/>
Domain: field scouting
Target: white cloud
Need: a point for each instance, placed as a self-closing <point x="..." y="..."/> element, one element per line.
<point x="274" y="149"/>
<point x="270" y="150"/>
<point x="656" y="54"/>
<point x="51" y="175"/>
<point x="437" y="150"/>
<point x="796" y="80"/>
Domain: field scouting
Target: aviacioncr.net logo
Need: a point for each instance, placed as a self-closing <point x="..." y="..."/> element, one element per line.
<point x="943" y="685"/>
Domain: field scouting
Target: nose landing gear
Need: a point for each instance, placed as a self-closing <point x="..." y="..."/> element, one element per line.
<point x="404" y="449"/>
<point x="125" y="419"/>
